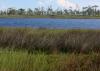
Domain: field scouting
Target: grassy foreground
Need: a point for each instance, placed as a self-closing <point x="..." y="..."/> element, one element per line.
<point x="22" y="61"/>
<point x="26" y="49"/>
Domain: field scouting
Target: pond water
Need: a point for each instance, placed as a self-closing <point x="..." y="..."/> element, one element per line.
<point x="51" y="23"/>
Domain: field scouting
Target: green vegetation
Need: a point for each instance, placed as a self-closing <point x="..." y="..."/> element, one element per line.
<point x="22" y="61"/>
<point x="86" y="12"/>
<point x="49" y="16"/>
<point x="26" y="49"/>
<point x="51" y="41"/>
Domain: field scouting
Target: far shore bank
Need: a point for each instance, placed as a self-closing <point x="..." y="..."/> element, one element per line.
<point x="52" y="17"/>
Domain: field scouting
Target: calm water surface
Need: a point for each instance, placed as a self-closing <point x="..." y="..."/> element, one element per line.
<point x="51" y="23"/>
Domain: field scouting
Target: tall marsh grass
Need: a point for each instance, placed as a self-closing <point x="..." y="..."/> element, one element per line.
<point x="50" y="41"/>
<point x="26" y="49"/>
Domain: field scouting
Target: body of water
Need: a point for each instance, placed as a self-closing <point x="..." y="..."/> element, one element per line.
<point x="51" y="23"/>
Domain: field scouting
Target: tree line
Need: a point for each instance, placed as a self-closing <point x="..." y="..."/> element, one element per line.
<point x="86" y="11"/>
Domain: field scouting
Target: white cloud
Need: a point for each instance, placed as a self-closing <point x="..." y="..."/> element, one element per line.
<point x="60" y="3"/>
<point x="67" y="4"/>
<point x="45" y="3"/>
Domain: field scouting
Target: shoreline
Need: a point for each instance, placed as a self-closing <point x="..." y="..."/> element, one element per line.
<point x="54" y="17"/>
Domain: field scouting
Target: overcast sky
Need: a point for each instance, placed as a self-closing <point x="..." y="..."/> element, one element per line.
<point x="75" y="4"/>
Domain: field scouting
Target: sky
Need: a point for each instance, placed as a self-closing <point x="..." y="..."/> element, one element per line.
<point x="75" y="4"/>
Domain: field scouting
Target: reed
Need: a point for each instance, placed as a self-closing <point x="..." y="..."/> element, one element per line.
<point x="50" y="41"/>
